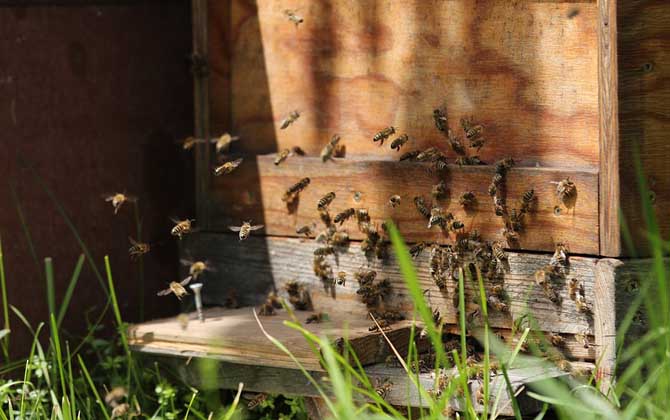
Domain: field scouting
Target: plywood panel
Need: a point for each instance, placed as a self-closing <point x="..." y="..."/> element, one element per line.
<point x="527" y="70"/>
<point x="235" y="199"/>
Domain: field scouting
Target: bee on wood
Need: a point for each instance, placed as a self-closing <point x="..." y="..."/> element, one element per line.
<point x="391" y="315"/>
<point x="583" y="338"/>
<point x="556" y="340"/>
<point x="394" y="201"/>
<point x="323" y="270"/>
<point x="177" y="288"/>
<point x="417" y="249"/>
<point x="515" y="220"/>
<point x="196" y="268"/>
<point x="307" y="230"/>
<point x="440" y="165"/>
<point x="410" y="155"/>
<point x="559" y="260"/>
<point x="543" y="279"/>
<point x="381" y="249"/>
<point x="222" y="144"/>
<point x="340" y="239"/>
<point x="228" y="167"/>
<point x="477" y="142"/>
<point x="182" y="227"/>
<point x="316" y="318"/>
<point x="294" y="190"/>
<point x="498" y="252"/>
<point x="399" y="142"/>
<point x="510" y="236"/>
<point x="455" y="143"/>
<point x="341" y="278"/>
<point x="437" y="218"/>
<point x="383" y="135"/>
<point x="499" y="207"/>
<point x="421" y="207"/>
<point x="504" y="165"/>
<point x="574" y="287"/>
<point x="330" y="148"/>
<point x="467" y="199"/>
<point x="580" y="303"/>
<point x="117" y="200"/>
<point x="324" y="250"/>
<point x="137" y="249"/>
<point x="565" y="190"/>
<point x="527" y="200"/>
<point x="497" y="303"/>
<point x="324" y="215"/>
<point x="431" y="154"/>
<point x="256" y="401"/>
<point x="282" y="156"/>
<point x="456" y="224"/>
<point x="298" y="296"/>
<point x="325" y="201"/>
<point x="384" y="324"/>
<point x="441" y="122"/>
<point x="290" y="119"/>
<point x="435" y="264"/>
<point x="246" y="229"/>
<point x="439" y="191"/>
<point x="471" y="130"/>
<point x="298" y="151"/>
<point x="469" y="161"/>
<point x="270" y="305"/>
<point x="365" y="277"/>
<point x="345" y="215"/>
<point x="293" y="17"/>
<point x="362" y="216"/>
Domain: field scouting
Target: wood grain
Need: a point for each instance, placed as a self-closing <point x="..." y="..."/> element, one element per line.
<point x="266" y="264"/>
<point x="526" y="70"/>
<point x="604" y="323"/>
<point x="234" y="199"/>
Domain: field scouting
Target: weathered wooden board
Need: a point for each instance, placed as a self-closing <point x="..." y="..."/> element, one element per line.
<point x="254" y="191"/>
<point x="254" y="267"/>
<point x="527" y="70"/>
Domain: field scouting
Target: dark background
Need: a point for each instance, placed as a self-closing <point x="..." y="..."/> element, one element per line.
<point x="93" y="95"/>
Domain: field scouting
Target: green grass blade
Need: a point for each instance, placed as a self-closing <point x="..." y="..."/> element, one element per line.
<point x="24" y="226"/>
<point x="231" y="410"/>
<point x="55" y="338"/>
<point x="51" y="290"/>
<point x="510" y="391"/>
<point x="70" y="377"/>
<point x="70" y="289"/>
<point x="5" y="306"/>
<point x="22" y="318"/>
<point x="87" y="376"/>
<point x="28" y="369"/>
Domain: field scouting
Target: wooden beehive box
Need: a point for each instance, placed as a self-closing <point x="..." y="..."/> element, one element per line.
<point x="568" y="89"/>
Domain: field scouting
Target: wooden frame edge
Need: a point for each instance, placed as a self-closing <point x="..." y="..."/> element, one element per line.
<point x="604" y="320"/>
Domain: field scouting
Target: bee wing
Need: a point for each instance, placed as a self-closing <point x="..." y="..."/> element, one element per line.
<point x="235" y="228"/>
<point x="174" y="220"/>
<point x="132" y="241"/>
<point x="185" y="262"/>
<point x="256" y="227"/>
<point x="186" y="281"/>
<point x="164" y="292"/>
<point x="107" y="196"/>
<point x="238" y="161"/>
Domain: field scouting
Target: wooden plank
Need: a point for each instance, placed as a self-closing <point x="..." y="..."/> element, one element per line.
<point x="266" y="264"/>
<point x="644" y="120"/>
<point x="605" y="320"/>
<point x="526" y="69"/>
<point x="255" y="192"/>
<point x="610" y="235"/>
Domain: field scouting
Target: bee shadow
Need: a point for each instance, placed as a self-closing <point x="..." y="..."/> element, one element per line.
<point x="292" y="206"/>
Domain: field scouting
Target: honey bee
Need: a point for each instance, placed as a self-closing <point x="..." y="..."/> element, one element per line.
<point x="120" y="410"/>
<point x="498" y="252"/>
<point x="245" y="230"/>
<point x="565" y="190"/>
<point x="325" y="201"/>
<point x="325" y="217"/>
<point x="324" y="250"/>
<point x="556" y="340"/>
<point x="365" y="277"/>
<point x="316" y="318"/>
<point x="504" y="165"/>
<point x="137" y="249"/>
<point x="417" y="249"/>
<point x="510" y="235"/>
<point x="293" y="17"/>
<point x="345" y="215"/>
<point x="117" y="200"/>
<point x="542" y="276"/>
<point x="182" y="227"/>
<point x="499" y="206"/>
<point x="580" y="303"/>
<point x="177" y="288"/>
<point x="292" y="193"/>
<point x="583" y="338"/>
<point x="323" y="270"/>
<point x="383" y="135"/>
<point x="527" y="200"/>
<point x="471" y="130"/>
<point x="439" y="190"/>
<point x="189" y="142"/>
<point x="437" y="218"/>
<point x="455" y="143"/>
<point x="467" y="199"/>
<point x="115" y="395"/>
<point x="196" y="268"/>
<point x="340" y="239"/>
<point x="384" y="324"/>
<point x="362" y="216"/>
<point x="469" y="161"/>
<point x="298" y="296"/>
<point x="456" y="224"/>
<point x="421" y="207"/>
<point x="515" y="221"/>
<point x="560" y="258"/>
<point x="256" y="401"/>
<point x="341" y="278"/>
<point x="399" y="142"/>
<point x="222" y="144"/>
<point x="574" y="287"/>
<point x="298" y="151"/>
<point x="329" y="149"/>
<point x="290" y="119"/>
<point x="282" y="156"/>
<point x="307" y="230"/>
<point x="410" y="155"/>
<point x="271" y="303"/>
<point x="497" y="304"/>
<point x="543" y="279"/>
<point x="394" y="201"/>
<point x="431" y="154"/>
<point x="227" y="167"/>
<point x="441" y="122"/>
<point x="477" y="142"/>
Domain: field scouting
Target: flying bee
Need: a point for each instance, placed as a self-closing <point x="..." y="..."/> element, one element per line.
<point x="394" y="201"/>
<point x="421" y="207"/>
<point x="292" y="192"/>
<point x="222" y="144"/>
<point x="471" y="130"/>
<point x="196" y="268"/>
<point x="345" y="215"/>
<point x="307" y="230"/>
<point x="527" y="200"/>
<point x="189" y="142"/>
<point x="325" y="201"/>
<point x="298" y="151"/>
<point x="565" y="190"/>
<point x="417" y="249"/>
<point x="293" y="17"/>
<point x="410" y="155"/>
<point x="467" y="199"/>
<point x="316" y="318"/>
<point x="439" y="190"/>
<point x="256" y="401"/>
<point x="329" y="149"/>
<point x="245" y="230"/>
<point x="437" y="218"/>
<point x="137" y="249"/>
<point x="324" y="250"/>
<point x="282" y="156"/>
<point x="341" y="278"/>
<point x="182" y="227"/>
<point x="399" y="142"/>
<point x="290" y="119"/>
<point x="227" y="167"/>
<point x="383" y="135"/>
<point x="498" y="252"/>
<point x="117" y="200"/>
<point x="177" y="288"/>
<point x="441" y="122"/>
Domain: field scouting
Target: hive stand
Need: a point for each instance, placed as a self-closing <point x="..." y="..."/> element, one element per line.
<point x="569" y="89"/>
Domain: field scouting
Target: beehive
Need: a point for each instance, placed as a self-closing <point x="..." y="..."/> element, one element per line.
<point x="568" y="89"/>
